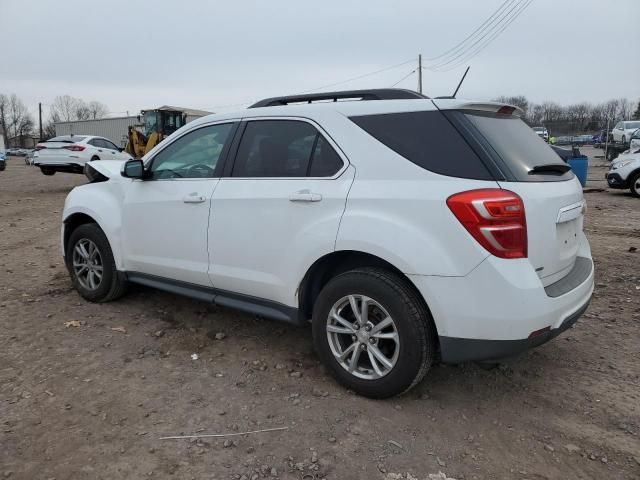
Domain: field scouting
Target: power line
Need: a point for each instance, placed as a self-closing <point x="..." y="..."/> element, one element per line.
<point x="358" y="77"/>
<point x="472" y="34"/>
<point x="481" y="45"/>
<point x="405" y="77"/>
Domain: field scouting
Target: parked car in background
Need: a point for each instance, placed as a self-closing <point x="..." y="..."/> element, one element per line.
<point x="634" y="142"/>
<point x="28" y="160"/>
<point x="623" y="131"/>
<point x="542" y="132"/>
<point x="459" y="239"/>
<point x="624" y="172"/>
<point x="69" y="153"/>
<point x="3" y="161"/>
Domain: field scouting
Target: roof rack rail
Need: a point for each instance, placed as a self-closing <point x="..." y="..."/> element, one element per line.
<point x="375" y="94"/>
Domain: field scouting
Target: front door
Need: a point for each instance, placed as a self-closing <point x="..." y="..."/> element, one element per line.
<point x="165" y="217"/>
<point x="278" y="211"/>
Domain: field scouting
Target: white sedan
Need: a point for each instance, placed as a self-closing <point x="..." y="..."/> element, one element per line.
<point x="623" y="130"/>
<point x="69" y="153"/>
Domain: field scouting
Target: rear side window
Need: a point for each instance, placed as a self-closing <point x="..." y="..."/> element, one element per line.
<point x="284" y="148"/>
<point x="515" y="146"/>
<point x="428" y="140"/>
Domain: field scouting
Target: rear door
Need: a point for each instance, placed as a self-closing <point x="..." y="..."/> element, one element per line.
<point x="278" y="210"/>
<point x="551" y="194"/>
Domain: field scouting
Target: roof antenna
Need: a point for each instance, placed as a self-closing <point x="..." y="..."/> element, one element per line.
<point x="460" y="84"/>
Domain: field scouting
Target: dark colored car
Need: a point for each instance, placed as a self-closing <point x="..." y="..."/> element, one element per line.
<point x="3" y="162"/>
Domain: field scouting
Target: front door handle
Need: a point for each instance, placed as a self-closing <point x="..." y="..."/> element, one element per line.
<point x="193" y="198"/>
<point x="305" y="196"/>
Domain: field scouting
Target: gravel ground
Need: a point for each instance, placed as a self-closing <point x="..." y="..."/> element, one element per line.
<point x="86" y="391"/>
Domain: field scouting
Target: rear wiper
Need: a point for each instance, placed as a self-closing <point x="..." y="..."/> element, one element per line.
<point x="553" y="168"/>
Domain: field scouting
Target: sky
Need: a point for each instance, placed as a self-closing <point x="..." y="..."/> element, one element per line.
<point x="219" y="56"/>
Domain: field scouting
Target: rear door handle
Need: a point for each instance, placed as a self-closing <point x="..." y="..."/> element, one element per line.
<point x="305" y="196"/>
<point x="193" y="198"/>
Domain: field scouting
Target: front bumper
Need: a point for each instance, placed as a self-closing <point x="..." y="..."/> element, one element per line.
<point x="614" y="180"/>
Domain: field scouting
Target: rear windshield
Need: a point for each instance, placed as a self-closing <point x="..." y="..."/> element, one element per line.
<point x="427" y="139"/>
<point x="515" y="147"/>
<point x="67" y="139"/>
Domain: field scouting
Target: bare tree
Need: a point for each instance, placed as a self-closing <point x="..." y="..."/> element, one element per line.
<point x="636" y="114"/>
<point x="97" y="109"/>
<point x="66" y="108"/>
<point x="15" y="118"/>
<point x="4" y="105"/>
<point x="624" y="109"/>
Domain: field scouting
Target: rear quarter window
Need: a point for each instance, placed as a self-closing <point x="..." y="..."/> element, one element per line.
<point x="513" y="146"/>
<point x="427" y="139"/>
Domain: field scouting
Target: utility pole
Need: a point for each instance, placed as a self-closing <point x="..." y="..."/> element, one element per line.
<point x="40" y="118"/>
<point x="420" y="73"/>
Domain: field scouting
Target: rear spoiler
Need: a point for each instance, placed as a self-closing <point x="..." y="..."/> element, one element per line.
<point x="448" y="103"/>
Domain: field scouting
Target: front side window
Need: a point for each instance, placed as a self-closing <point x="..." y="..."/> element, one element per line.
<point x="194" y="155"/>
<point x="284" y="148"/>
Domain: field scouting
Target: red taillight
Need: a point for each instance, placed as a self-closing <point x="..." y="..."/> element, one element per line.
<point x="75" y="148"/>
<point x="495" y="218"/>
<point x="40" y="147"/>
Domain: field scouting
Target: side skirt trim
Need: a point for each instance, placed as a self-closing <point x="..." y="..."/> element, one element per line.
<point x="236" y="301"/>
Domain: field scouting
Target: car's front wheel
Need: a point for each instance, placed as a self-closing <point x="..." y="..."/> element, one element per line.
<point x="373" y="332"/>
<point x="624" y="140"/>
<point x="634" y="185"/>
<point x="91" y="265"/>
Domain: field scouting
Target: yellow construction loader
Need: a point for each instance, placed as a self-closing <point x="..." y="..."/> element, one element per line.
<point x="156" y="125"/>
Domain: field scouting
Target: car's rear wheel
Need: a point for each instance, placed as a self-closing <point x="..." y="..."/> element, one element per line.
<point x="91" y="265"/>
<point x="373" y="332"/>
<point x="94" y="158"/>
<point x="634" y="185"/>
<point x="47" y="171"/>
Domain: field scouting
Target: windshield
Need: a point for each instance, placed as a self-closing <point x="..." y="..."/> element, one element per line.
<point x="150" y="122"/>
<point x="539" y="129"/>
<point x="631" y="125"/>
<point x="515" y="146"/>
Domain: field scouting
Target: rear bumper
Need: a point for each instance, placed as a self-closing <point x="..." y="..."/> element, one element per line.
<point x="459" y="350"/>
<point x="61" y="167"/>
<point x="493" y="311"/>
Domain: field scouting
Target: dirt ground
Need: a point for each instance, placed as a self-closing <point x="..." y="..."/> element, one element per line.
<point x="86" y="391"/>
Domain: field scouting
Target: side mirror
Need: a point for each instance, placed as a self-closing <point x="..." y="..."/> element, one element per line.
<point x="133" y="169"/>
<point x="121" y="149"/>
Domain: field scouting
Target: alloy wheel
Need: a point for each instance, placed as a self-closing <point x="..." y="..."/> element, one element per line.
<point x="363" y="337"/>
<point x="87" y="264"/>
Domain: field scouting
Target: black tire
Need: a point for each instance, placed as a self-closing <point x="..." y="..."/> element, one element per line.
<point x="112" y="286"/>
<point x="48" y="171"/>
<point x="415" y="328"/>
<point x="634" y="185"/>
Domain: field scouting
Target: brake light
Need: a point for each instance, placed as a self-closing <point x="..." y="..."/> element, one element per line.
<point x="74" y="148"/>
<point x="506" y="110"/>
<point x="495" y="218"/>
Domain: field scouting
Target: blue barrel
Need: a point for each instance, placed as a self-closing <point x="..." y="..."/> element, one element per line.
<point x="580" y="166"/>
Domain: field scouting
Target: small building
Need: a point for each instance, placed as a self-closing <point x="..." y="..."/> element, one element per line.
<point x="116" y="128"/>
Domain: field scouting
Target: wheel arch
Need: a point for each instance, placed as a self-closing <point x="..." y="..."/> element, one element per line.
<point x="335" y="263"/>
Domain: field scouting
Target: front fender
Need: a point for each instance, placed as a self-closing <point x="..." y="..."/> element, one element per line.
<point x="103" y="203"/>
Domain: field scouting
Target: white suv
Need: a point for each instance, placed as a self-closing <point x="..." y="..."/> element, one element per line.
<point x="408" y="230"/>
